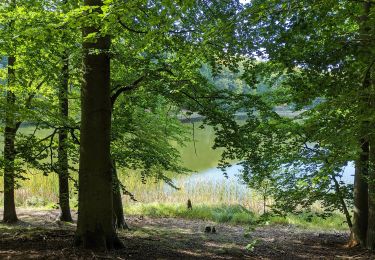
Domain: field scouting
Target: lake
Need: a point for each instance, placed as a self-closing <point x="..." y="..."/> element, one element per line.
<point x="208" y="184"/>
<point x="199" y="156"/>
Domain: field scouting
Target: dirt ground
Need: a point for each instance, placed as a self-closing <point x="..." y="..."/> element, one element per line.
<point x="39" y="236"/>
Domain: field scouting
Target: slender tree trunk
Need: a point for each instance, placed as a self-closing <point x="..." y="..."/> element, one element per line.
<point x="63" y="162"/>
<point x="10" y="130"/>
<point x="95" y="229"/>
<point x="10" y="215"/>
<point x="264" y="203"/>
<point x="118" y="209"/>
<point x="342" y="202"/>
<point x="360" y="212"/>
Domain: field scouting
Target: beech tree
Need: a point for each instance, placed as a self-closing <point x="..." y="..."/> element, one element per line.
<point x="25" y="81"/>
<point x="157" y="39"/>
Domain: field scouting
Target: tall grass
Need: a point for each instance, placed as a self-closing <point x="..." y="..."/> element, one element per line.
<point x="212" y="201"/>
<point x="39" y="190"/>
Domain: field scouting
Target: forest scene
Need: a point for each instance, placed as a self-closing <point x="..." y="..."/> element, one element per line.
<point x="187" y="129"/>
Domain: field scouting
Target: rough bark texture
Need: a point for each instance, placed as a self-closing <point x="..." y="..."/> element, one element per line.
<point x="95" y="229"/>
<point x="360" y="212"/>
<point x="118" y="210"/>
<point x="63" y="163"/>
<point x="10" y="215"/>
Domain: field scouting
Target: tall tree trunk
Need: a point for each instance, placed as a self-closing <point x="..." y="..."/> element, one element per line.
<point x="367" y="48"/>
<point x="63" y="162"/>
<point x="10" y="130"/>
<point x="10" y="215"/>
<point x="95" y="229"/>
<point x="366" y="238"/>
<point x="360" y="212"/>
<point x="370" y="241"/>
<point x="118" y="209"/>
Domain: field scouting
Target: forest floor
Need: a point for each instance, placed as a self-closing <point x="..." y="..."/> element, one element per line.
<point x="39" y="236"/>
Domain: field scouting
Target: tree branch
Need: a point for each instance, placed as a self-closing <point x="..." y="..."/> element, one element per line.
<point x="130" y="29"/>
<point x="130" y="87"/>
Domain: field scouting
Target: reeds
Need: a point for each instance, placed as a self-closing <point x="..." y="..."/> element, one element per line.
<point x="41" y="191"/>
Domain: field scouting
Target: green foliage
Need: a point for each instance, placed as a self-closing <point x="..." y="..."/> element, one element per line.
<point x="143" y="134"/>
<point x="157" y="51"/>
<point x="316" y="56"/>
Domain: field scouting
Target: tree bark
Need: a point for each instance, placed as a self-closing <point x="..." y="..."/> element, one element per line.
<point x="368" y="84"/>
<point x="95" y="229"/>
<point x="364" y="200"/>
<point x="118" y="210"/>
<point x="63" y="162"/>
<point x="10" y="130"/>
<point x="360" y="212"/>
<point x="10" y="215"/>
<point x="342" y="202"/>
<point x="370" y="241"/>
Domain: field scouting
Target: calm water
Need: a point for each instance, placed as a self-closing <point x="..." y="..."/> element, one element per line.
<point x="200" y="157"/>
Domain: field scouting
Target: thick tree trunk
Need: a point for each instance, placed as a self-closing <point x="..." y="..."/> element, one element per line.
<point x="370" y="241"/>
<point x="95" y="229"/>
<point x="366" y="238"/>
<point x="368" y="85"/>
<point x="10" y="215"/>
<point x="63" y="162"/>
<point x="118" y="210"/>
<point x="360" y="212"/>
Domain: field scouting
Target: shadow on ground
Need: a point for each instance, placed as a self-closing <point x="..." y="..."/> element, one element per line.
<point x="39" y="236"/>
